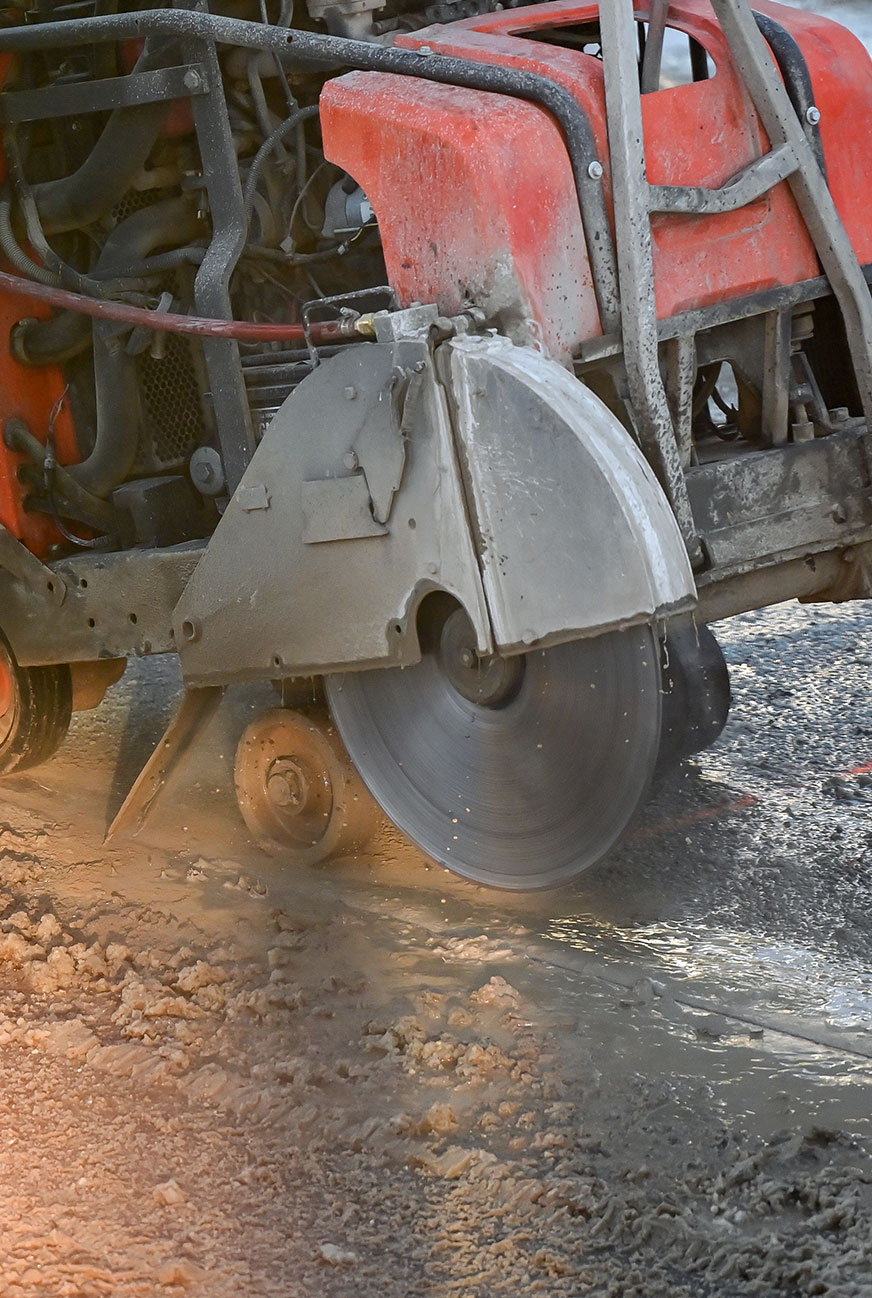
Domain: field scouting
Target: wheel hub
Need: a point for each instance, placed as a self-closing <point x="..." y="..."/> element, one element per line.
<point x="298" y="792"/>
<point x="287" y="785"/>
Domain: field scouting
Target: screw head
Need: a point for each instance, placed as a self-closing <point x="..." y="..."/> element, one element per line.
<point x="813" y="115"/>
<point x="191" y="79"/>
<point x="350" y="460"/>
<point x="595" y="170"/>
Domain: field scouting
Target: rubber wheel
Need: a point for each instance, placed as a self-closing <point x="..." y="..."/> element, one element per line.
<point x="696" y="692"/>
<point x="298" y="791"/>
<point x="35" y="709"/>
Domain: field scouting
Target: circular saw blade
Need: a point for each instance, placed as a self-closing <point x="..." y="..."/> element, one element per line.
<point x="521" y="796"/>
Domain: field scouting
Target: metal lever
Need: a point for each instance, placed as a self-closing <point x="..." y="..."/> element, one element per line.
<point x="653" y="58"/>
<point x="636" y="263"/>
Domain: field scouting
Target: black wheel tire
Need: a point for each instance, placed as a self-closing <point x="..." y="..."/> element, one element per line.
<point x="696" y="692"/>
<point x="35" y="709"/>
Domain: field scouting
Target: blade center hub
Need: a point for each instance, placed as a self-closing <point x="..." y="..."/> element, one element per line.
<point x="486" y="679"/>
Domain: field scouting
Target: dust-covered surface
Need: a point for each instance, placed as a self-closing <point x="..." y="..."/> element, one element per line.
<point x="222" y="1078"/>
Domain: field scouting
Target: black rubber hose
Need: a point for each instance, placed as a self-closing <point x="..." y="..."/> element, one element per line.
<point x="119" y="415"/>
<point x="112" y="165"/>
<point x="797" y="79"/>
<point x="18" y="437"/>
<point x="50" y="342"/>
<point x="171" y="222"/>
<point x="54" y="341"/>
<point x="281" y="132"/>
<point x="15" y="254"/>
<point x="116" y="382"/>
<point x="67" y="276"/>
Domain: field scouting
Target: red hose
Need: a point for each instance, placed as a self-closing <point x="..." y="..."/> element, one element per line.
<point x="166" y="322"/>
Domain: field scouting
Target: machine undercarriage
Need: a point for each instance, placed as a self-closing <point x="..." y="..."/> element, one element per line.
<point x="452" y="367"/>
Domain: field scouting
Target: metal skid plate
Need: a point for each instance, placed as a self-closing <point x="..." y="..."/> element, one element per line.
<point x="493" y="475"/>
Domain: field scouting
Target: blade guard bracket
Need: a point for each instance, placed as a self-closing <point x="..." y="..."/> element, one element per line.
<point x="510" y="486"/>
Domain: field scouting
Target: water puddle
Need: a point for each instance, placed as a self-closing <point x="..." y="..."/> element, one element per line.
<point x="751" y="972"/>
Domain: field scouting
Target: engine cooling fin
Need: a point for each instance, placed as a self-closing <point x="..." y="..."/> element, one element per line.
<point x="514" y="773"/>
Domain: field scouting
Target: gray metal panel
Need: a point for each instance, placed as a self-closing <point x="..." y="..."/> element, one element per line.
<point x="114" y="605"/>
<point x="575" y="532"/>
<point x="810" y="496"/>
<point x="19" y="562"/>
<point x="338" y="509"/>
<point x="266" y="602"/>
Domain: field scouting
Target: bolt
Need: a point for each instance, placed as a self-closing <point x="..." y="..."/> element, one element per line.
<point x="286" y="785"/>
<point x="839" y="415"/>
<point x="812" y="115"/>
<point x="467" y="657"/>
<point x="350" y="460"/>
<point x="595" y="170"/>
<point x="425" y="49"/>
<point x="203" y="472"/>
<point x="349" y="393"/>
<point x="191" y="79"/>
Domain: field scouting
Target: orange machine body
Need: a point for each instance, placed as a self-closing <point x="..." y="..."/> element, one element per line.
<point x="37" y="397"/>
<point x="475" y="196"/>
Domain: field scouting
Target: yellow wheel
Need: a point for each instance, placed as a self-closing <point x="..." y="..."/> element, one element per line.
<point x="298" y="790"/>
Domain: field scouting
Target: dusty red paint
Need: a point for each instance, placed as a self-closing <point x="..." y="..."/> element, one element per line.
<point x="471" y="188"/>
<point x="31" y="395"/>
